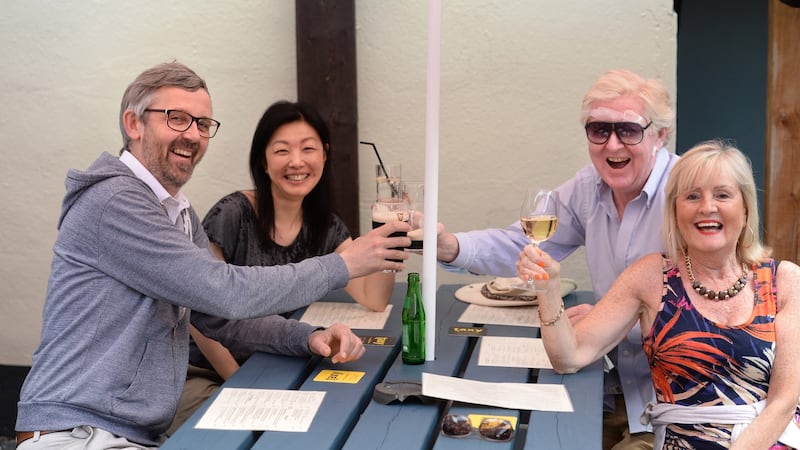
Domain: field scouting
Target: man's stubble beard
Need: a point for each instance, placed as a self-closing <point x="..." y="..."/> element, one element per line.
<point x="157" y="162"/>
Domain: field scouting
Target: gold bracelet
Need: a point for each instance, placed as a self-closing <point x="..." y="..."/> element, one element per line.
<point x="550" y="323"/>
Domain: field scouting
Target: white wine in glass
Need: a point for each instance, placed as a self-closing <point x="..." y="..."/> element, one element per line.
<point x="539" y="219"/>
<point x="539" y="228"/>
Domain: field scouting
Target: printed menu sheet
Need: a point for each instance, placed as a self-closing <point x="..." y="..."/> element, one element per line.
<point x="325" y="314"/>
<point x="262" y="410"/>
<point x="504" y="351"/>
<point x="523" y="316"/>
<point x="530" y="396"/>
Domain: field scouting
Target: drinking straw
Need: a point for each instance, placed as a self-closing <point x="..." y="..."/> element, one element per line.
<point x="383" y="168"/>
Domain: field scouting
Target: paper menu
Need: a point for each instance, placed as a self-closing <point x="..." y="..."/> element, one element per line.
<point x="325" y="314"/>
<point x="524" y="316"/>
<point x="527" y="396"/>
<point x="262" y="410"/>
<point x="503" y="351"/>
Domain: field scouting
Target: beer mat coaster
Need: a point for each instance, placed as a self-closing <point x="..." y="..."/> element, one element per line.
<point x="475" y="293"/>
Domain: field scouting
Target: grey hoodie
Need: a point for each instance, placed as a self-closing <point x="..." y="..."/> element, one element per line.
<point x="114" y="344"/>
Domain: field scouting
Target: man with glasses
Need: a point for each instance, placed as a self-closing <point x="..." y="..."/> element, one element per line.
<point x="130" y="262"/>
<point x="182" y="121"/>
<point x="614" y="208"/>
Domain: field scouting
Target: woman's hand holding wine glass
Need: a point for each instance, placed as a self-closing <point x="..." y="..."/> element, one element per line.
<point x="539" y="219"/>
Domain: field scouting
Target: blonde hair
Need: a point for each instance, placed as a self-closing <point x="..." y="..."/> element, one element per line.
<point x="620" y="82"/>
<point x="701" y="161"/>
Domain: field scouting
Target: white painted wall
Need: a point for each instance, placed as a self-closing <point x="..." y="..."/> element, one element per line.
<point x="513" y="75"/>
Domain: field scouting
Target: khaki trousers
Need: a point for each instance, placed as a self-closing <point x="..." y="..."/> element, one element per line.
<point x="200" y="385"/>
<point x="617" y="436"/>
<point x="80" y="438"/>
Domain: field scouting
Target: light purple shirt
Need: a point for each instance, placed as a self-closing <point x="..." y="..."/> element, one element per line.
<point x="588" y="217"/>
<point x="173" y="205"/>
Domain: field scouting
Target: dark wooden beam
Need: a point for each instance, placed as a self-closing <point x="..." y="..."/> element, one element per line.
<point x="326" y="78"/>
<point x="782" y="190"/>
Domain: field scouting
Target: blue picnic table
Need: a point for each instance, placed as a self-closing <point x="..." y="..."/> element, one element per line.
<point x="349" y="418"/>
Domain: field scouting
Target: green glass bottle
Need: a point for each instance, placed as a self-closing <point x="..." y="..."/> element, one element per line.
<point x="413" y="323"/>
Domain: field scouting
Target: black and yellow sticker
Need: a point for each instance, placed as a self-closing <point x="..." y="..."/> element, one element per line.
<point x="378" y="340"/>
<point x="467" y="331"/>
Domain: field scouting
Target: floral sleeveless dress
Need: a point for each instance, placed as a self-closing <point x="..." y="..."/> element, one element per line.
<point x="697" y="362"/>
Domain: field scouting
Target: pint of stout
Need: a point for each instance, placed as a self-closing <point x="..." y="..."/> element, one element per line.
<point x="393" y="210"/>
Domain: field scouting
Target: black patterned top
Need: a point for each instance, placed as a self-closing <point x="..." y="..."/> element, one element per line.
<point x="231" y="224"/>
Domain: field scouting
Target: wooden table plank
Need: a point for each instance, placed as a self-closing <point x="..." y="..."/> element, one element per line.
<point x="343" y="402"/>
<point x="581" y="429"/>
<point x="491" y="374"/>
<point x="263" y="371"/>
<point x="412" y="424"/>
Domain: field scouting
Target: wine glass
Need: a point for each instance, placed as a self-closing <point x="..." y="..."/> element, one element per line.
<point x="414" y="192"/>
<point x="538" y="217"/>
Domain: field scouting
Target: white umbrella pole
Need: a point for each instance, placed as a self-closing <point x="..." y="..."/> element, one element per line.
<point x="431" y="205"/>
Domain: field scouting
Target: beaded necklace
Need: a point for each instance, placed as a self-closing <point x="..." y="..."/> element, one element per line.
<point x="710" y="294"/>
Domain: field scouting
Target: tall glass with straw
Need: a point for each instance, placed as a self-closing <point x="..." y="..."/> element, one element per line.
<point x="390" y="203"/>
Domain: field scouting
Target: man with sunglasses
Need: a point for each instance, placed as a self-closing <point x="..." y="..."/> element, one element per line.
<point x="614" y="208"/>
<point x="131" y="260"/>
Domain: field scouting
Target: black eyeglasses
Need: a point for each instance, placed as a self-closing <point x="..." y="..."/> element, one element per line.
<point x="182" y="121"/>
<point x="629" y="133"/>
<point x="494" y="429"/>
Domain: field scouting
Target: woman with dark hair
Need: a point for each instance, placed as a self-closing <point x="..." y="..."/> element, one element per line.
<point x="288" y="217"/>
